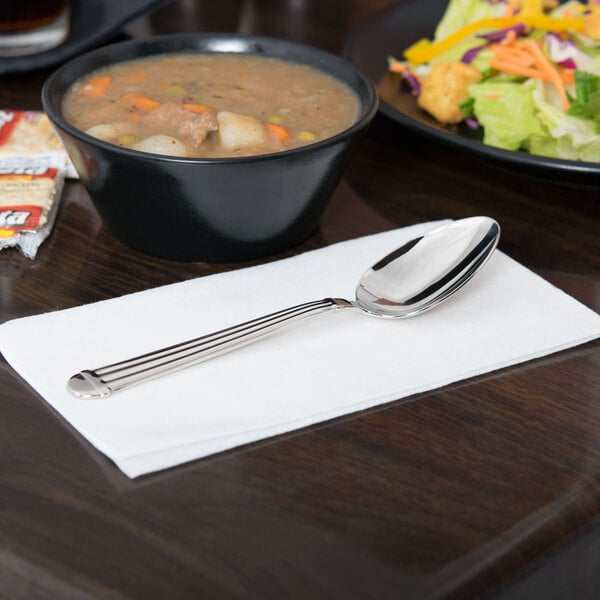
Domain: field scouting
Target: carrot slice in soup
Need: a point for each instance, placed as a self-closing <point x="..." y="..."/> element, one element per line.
<point x="281" y="132"/>
<point x="140" y="101"/>
<point x="195" y="108"/>
<point x="97" y="86"/>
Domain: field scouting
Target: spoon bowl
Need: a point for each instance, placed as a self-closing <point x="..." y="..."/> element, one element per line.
<point x="408" y="281"/>
<point x="427" y="269"/>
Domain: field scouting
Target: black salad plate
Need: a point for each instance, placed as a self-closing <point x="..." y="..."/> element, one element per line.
<point x="389" y="33"/>
<point x="92" y="23"/>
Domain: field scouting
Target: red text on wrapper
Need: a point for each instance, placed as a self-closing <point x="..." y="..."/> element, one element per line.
<point x="29" y="189"/>
<point x="19" y="218"/>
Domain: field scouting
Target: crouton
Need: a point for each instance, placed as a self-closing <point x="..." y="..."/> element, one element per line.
<point x="445" y="87"/>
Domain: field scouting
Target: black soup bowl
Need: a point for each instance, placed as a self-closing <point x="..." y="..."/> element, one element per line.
<point x="209" y="209"/>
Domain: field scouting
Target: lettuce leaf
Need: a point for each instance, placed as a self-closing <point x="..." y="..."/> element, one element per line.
<point x="517" y="115"/>
<point x="587" y="97"/>
<point x="462" y="12"/>
<point x="570" y="137"/>
<point x="503" y="126"/>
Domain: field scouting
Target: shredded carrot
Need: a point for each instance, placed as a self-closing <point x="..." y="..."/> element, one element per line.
<point x="513" y="53"/>
<point x="509" y="38"/>
<point x="494" y="96"/>
<point x="567" y="75"/>
<point x="397" y="67"/>
<point x="96" y="86"/>
<point x="518" y="69"/>
<point x="526" y="58"/>
<point x="545" y="65"/>
<point x="140" y="101"/>
<point x="281" y="132"/>
<point x="509" y="9"/>
<point x="195" y="108"/>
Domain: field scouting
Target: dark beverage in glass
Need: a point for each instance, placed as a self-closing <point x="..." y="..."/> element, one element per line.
<point x="31" y="26"/>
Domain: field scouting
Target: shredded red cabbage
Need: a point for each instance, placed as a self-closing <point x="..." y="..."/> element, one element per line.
<point x="410" y="83"/>
<point x="491" y="38"/>
<point x="565" y="53"/>
<point x="472" y="123"/>
<point x="498" y="36"/>
<point x="470" y="55"/>
<point x="568" y="64"/>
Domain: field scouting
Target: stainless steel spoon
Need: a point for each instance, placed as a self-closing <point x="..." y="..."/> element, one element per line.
<point x="410" y="280"/>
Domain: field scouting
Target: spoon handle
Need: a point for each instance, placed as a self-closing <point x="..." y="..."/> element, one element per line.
<point x="103" y="381"/>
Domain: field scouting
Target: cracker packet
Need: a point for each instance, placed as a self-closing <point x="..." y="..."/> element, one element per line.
<point x="33" y="165"/>
<point x="30" y="188"/>
<point x="27" y="132"/>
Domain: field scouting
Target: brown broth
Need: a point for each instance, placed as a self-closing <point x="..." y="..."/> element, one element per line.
<point x="295" y="104"/>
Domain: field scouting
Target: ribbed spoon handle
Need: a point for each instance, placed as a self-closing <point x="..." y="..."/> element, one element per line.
<point x="103" y="381"/>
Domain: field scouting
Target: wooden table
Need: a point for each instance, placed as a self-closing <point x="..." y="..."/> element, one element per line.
<point x="487" y="487"/>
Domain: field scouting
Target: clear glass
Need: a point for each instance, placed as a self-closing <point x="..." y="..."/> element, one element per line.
<point x="32" y="26"/>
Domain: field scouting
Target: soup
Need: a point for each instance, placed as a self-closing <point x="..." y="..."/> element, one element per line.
<point x="210" y="105"/>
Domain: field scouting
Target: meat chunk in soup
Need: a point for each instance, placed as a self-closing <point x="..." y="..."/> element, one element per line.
<point x="210" y="105"/>
<point x="172" y="119"/>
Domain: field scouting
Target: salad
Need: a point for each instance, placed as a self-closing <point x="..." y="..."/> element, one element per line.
<point x="525" y="72"/>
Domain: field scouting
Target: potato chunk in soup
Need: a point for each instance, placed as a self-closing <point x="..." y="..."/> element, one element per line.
<point x="210" y="105"/>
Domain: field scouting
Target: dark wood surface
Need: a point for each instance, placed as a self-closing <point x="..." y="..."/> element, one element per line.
<point x="486" y="488"/>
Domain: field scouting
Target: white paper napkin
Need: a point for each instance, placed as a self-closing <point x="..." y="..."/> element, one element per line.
<point x="323" y="367"/>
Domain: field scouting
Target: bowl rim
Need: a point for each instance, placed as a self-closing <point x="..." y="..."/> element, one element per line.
<point x="367" y="107"/>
